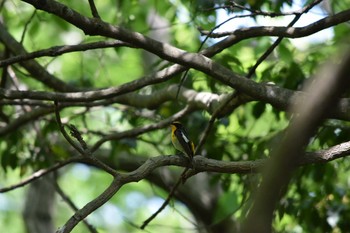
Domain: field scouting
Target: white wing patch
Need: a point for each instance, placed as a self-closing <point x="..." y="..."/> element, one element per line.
<point x="184" y="137"/>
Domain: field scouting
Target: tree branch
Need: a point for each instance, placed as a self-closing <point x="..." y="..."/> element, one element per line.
<point x="280" y="38"/>
<point x="202" y="164"/>
<point x="288" y="32"/>
<point x="59" y="50"/>
<point x="36" y="175"/>
<point x="197" y="61"/>
<point x="71" y="204"/>
<point x="138" y="131"/>
<point x="92" y="206"/>
<point x="93" y="8"/>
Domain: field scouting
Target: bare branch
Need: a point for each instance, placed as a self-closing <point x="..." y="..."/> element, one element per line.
<point x="92" y="206"/>
<point x="82" y="149"/>
<point x="65" y="134"/>
<point x="167" y="200"/>
<point x="93" y="8"/>
<point x="202" y="164"/>
<point x="59" y="50"/>
<point x="70" y="203"/>
<point x="288" y="32"/>
<point x="41" y="173"/>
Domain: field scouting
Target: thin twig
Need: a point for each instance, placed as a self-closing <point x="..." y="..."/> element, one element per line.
<point x="167" y="200"/>
<point x="64" y="133"/>
<point x="93" y="8"/>
<point x="70" y="203"/>
<point x="26" y="26"/>
<point x="279" y="39"/>
<point x="36" y="175"/>
<point x="138" y="131"/>
<point x="62" y="49"/>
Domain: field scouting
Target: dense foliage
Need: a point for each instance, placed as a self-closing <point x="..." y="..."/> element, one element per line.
<point x="119" y="91"/>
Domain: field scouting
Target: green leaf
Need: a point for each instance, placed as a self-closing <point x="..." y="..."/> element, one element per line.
<point x="258" y="109"/>
<point x="226" y="206"/>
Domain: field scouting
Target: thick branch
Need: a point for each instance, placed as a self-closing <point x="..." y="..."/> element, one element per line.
<point x="197" y="61"/>
<point x="200" y="163"/>
<point x="201" y="100"/>
<point x="279" y="97"/>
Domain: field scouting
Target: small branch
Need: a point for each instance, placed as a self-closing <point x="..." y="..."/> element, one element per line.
<point x="138" y="131"/>
<point x="70" y="203"/>
<point x="91" y="206"/>
<point x="167" y="200"/>
<point x="82" y="149"/>
<point x="59" y="50"/>
<point x="65" y="134"/>
<point x="279" y="39"/>
<point x="26" y="26"/>
<point x="41" y="173"/>
<point x="232" y="5"/>
<point x="288" y="32"/>
<point x="94" y="9"/>
<point x="226" y="106"/>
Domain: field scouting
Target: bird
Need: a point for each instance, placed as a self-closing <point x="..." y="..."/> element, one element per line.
<point x="180" y="139"/>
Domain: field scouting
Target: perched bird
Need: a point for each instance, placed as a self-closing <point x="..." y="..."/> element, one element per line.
<point x="180" y="139"/>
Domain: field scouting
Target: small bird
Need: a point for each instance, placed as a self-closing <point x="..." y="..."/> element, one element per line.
<point x="180" y="139"/>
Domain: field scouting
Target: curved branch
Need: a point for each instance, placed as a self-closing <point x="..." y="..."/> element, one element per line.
<point x="92" y="206"/>
<point x="42" y="172"/>
<point x="289" y="32"/>
<point x="280" y="98"/>
<point x="201" y="100"/>
<point x="201" y="164"/>
<point x="59" y="50"/>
